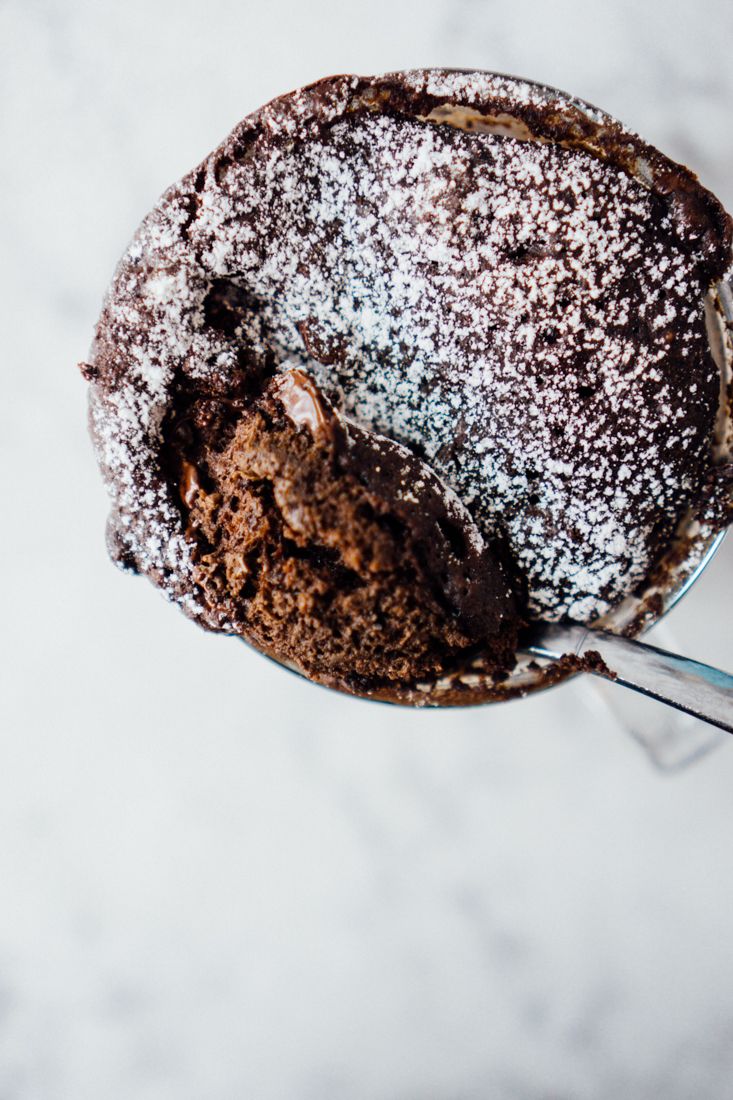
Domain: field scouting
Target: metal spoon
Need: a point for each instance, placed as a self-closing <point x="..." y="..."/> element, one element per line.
<point x="697" y="689"/>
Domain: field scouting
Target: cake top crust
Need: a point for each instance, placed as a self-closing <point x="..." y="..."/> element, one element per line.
<point x="492" y="274"/>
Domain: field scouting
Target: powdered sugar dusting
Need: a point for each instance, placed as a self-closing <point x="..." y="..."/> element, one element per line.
<point x="522" y="315"/>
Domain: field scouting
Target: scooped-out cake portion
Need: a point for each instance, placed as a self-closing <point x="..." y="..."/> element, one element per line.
<point x="338" y="551"/>
<point x="406" y="362"/>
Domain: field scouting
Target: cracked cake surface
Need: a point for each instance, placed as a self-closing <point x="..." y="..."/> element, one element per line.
<point x="498" y="282"/>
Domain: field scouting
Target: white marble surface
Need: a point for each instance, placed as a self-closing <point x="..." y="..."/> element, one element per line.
<point x="215" y="880"/>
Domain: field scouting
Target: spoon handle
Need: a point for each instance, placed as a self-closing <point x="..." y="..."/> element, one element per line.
<point x="698" y="689"/>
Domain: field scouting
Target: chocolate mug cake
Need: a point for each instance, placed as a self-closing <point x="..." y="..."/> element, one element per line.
<point x="405" y="363"/>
